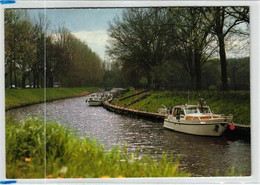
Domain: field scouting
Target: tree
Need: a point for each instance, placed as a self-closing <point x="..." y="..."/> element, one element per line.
<point x="75" y="64"/>
<point x="140" y="44"/>
<point x="192" y="41"/>
<point x="239" y="13"/>
<point x="223" y="21"/>
<point x="19" y="50"/>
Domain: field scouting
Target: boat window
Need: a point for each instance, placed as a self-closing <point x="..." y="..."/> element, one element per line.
<point x="176" y="111"/>
<point x="191" y="110"/>
<point x="182" y="112"/>
<point x="204" y="110"/>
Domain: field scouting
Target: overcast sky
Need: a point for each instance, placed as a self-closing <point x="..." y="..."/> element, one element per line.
<point x="91" y="25"/>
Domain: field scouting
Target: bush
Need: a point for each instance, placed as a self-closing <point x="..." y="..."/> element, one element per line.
<point x="212" y="88"/>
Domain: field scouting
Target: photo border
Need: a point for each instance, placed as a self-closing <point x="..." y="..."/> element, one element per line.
<point x="254" y="91"/>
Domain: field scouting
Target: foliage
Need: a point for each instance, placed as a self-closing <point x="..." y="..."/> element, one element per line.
<point x="224" y="21"/>
<point x="68" y="156"/>
<point x="19" y="45"/>
<point x="76" y="65"/>
<point x="21" y="97"/>
<point x="171" y="47"/>
<point x="139" y="44"/>
<point x="35" y="58"/>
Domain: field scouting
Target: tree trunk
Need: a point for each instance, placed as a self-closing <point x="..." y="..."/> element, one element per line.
<point x="223" y="62"/>
<point x="15" y="77"/>
<point x="198" y="71"/>
<point x="23" y="80"/>
<point x="192" y="81"/>
<point x="34" y="79"/>
<point x="10" y="74"/>
<point x="37" y="80"/>
<point x="42" y="79"/>
<point x="220" y="17"/>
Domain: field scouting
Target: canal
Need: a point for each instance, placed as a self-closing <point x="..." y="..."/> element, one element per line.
<point x="202" y="156"/>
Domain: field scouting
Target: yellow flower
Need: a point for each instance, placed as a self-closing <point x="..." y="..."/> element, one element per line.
<point x="59" y="177"/>
<point x="49" y="176"/>
<point x="27" y="159"/>
<point x="105" y="176"/>
<point x="120" y="176"/>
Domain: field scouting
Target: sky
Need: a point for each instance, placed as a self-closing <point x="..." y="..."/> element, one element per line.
<point x="89" y="25"/>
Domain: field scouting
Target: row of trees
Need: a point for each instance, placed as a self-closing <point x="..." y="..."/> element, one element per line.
<point x="38" y="59"/>
<point x="149" y="47"/>
<point x="156" y="46"/>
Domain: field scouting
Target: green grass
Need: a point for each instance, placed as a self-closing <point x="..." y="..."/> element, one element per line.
<point x="68" y="156"/>
<point x="20" y="97"/>
<point x="235" y="103"/>
<point x="128" y="100"/>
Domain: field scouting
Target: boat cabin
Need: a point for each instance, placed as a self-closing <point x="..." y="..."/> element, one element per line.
<point x="192" y="112"/>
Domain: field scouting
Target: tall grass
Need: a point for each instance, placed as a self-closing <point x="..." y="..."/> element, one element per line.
<point x="20" y="97"/>
<point x="33" y="143"/>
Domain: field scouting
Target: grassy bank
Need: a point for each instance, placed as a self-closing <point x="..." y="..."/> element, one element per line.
<point x="20" y="97"/>
<point x="68" y="156"/>
<point x="235" y="103"/>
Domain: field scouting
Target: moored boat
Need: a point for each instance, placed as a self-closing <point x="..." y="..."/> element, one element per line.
<point x="197" y="120"/>
<point x="95" y="100"/>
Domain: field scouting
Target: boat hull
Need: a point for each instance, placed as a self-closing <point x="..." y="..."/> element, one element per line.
<point x="95" y="103"/>
<point x="197" y="128"/>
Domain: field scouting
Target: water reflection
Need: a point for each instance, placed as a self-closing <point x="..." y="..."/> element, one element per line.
<point x="203" y="156"/>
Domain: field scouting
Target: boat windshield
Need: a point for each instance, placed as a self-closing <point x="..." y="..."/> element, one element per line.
<point x="195" y="110"/>
<point x="191" y="110"/>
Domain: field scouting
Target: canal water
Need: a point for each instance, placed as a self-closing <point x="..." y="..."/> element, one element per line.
<point x="202" y="156"/>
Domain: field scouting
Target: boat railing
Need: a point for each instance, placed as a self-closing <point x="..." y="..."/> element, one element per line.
<point x="229" y="117"/>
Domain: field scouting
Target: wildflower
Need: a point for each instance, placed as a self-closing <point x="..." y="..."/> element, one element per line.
<point x="49" y="176"/>
<point x="59" y="177"/>
<point x="64" y="169"/>
<point x="80" y="149"/>
<point x="27" y="159"/>
<point x="105" y="176"/>
<point x="120" y="176"/>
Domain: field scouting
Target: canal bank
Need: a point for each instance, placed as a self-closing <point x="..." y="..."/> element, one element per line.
<point x="132" y="112"/>
<point x="236" y="103"/>
<point x="145" y="135"/>
<point x="234" y="131"/>
<point x="15" y="98"/>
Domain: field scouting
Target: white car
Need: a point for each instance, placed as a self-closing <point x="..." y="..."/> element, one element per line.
<point x="56" y="84"/>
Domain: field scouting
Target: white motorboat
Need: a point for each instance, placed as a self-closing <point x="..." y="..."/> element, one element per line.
<point x="95" y="99"/>
<point x="196" y="120"/>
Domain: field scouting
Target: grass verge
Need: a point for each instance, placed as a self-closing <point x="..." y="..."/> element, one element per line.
<point x="21" y="97"/>
<point x="68" y="156"/>
<point x="235" y="103"/>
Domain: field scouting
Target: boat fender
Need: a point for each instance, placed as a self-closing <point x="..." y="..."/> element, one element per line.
<point x="232" y="127"/>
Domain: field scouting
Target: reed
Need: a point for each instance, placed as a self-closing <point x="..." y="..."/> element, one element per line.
<point x="32" y="143"/>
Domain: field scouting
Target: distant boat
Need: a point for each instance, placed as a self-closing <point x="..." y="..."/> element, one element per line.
<point x="197" y="120"/>
<point x="95" y="99"/>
